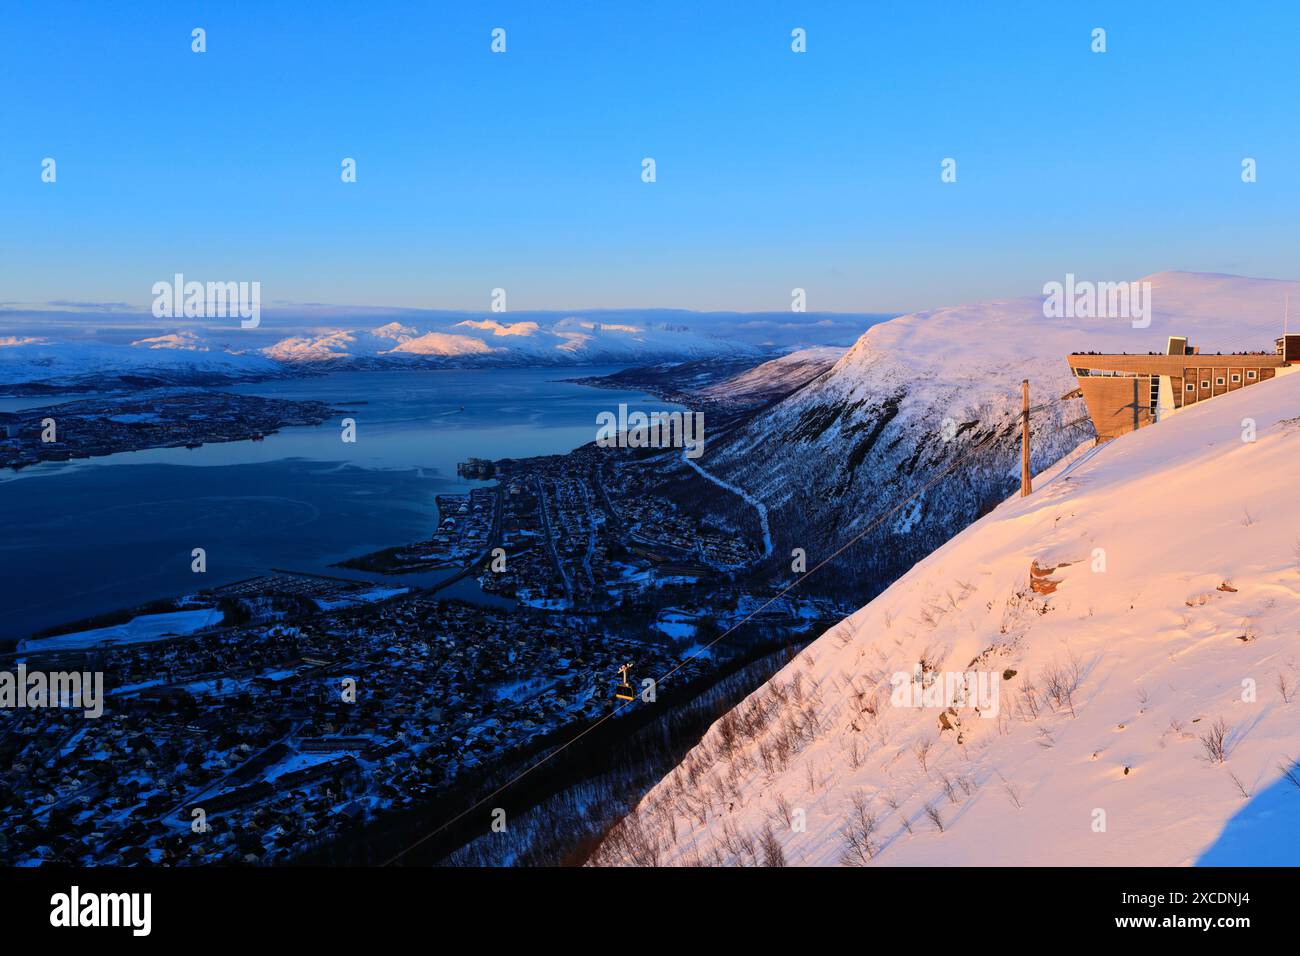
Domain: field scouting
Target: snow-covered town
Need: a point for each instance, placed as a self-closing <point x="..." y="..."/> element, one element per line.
<point x="286" y="711"/>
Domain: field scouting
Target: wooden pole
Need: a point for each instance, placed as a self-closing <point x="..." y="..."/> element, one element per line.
<point x="1026" y="482"/>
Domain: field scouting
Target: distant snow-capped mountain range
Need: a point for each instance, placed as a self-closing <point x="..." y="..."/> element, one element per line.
<point x="569" y="341"/>
<point x="68" y="355"/>
<point x="175" y="358"/>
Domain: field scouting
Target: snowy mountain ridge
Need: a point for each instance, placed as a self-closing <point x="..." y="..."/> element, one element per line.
<point x="176" y="357"/>
<point x="571" y="340"/>
<point x="775" y="377"/>
<point x="917" y="393"/>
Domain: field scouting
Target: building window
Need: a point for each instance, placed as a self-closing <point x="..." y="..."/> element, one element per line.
<point x="1250" y="375"/>
<point x="1205" y="384"/>
<point x="1191" y="386"/>
<point x="1236" y="377"/>
<point x="1219" y="380"/>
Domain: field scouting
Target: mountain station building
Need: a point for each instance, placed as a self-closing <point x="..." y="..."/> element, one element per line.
<point x="1126" y="392"/>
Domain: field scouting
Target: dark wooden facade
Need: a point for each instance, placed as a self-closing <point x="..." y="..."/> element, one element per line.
<point x="1122" y="391"/>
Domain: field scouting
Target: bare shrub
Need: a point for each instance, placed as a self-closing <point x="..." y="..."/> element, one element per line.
<point x="859" y="833"/>
<point x="933" y="814"/>
<point x="748" y="848"/>
<point x="948" y="790"/>
<point x="1010" y="612"/>
<point x="1286" y="689"/>
<point x="1061" y="681"/>
<point x="1241" y="788"/>
<point x="1215" y="741"/>
<point x="693" y="769"/>
<point x="783" y="809"/>
<point x="855" y="756"/>
<point x="922" y="750"/>
<point x="1029" y="699"/>
<point x="773" y="855"/>
<point x="729" y="732"/>
<point x="1291" y="770"/>
<point x="892" y="802"/>
<point x="1013" y="792"/>
<point x="812" y="721"/>
<point x="869" y="705"/>
<point x="628" y="841"/>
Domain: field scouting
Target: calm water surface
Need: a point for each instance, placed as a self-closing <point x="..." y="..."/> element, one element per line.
<point x="85" y="537"/>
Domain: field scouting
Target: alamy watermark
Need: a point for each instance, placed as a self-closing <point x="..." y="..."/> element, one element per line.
<point x="212" y="300"/>
<point x="130" y="910"/>
<point x="653" y="430"/>
<point x="980" y="690"/>
<point x="1098" y="300"/>
<point x="36" y="689"/>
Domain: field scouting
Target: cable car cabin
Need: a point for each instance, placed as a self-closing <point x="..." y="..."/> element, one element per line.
<point x="624" y="690"/>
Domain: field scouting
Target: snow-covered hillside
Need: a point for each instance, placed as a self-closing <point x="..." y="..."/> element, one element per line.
<point x="1144" y="600"/>
<point x="341" y="344"/>
<point x="918" y="392"/>
<point x="774" y="378"/>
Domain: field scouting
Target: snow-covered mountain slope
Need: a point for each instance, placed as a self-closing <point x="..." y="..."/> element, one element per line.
<point x="918" y="392"/>
<point x="775" y="378"/>
<point x="1145" y="597"/>
<point x="341" y="345"/>
<point x="442" y="344"/>
<point x="186" y="339"/>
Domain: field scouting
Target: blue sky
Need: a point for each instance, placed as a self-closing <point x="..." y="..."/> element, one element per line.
<point x="522" y="170"/>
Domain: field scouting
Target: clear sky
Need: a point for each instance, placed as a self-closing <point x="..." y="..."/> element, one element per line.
<point x="523" y="170"/>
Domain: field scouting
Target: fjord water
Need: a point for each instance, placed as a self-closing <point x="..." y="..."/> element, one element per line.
<point x="94" y="535"/>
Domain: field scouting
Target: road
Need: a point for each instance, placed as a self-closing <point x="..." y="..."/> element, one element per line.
<point x="550" y="542"/>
